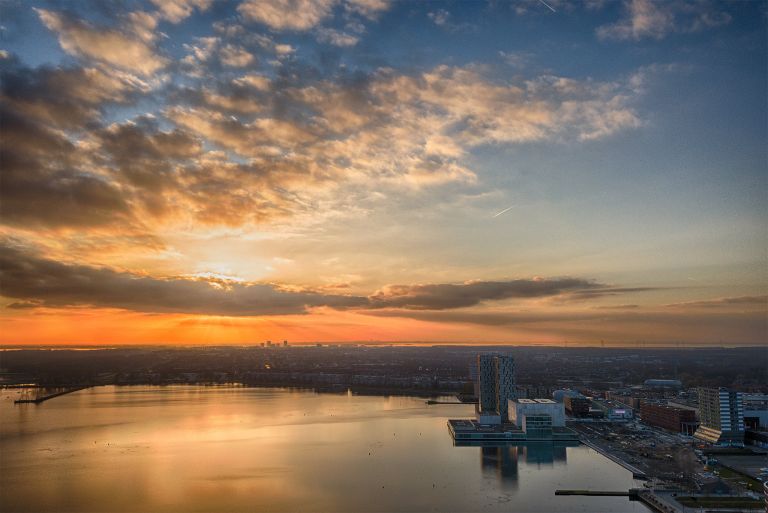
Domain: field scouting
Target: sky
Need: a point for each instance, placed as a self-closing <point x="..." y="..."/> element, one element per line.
<point x="522" y="172"/>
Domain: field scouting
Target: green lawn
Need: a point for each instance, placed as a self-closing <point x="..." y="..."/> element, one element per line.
<point x="731" y="475"/>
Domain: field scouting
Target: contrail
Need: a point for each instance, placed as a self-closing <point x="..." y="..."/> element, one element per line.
<point x="545" y="3"/>
<point x="505" y="210"/>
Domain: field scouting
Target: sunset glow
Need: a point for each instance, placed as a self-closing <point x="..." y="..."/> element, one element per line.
<point x="196" y="172"/>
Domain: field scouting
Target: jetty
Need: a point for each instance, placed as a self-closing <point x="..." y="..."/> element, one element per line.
<point x="599" y="493"/>
<point x="42" y="398"/>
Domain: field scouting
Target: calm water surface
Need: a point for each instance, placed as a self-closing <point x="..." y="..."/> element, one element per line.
<point x="190" y="448"/>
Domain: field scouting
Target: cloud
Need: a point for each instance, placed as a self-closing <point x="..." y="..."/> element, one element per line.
<point x="440" y="17"/>
<point x="407" y="130"/>
<point x="370" y="9"/>
<point x="614" y="326"/>
<point x="741" y="301"/>
<point x="178" y="10"/>
<point x="129" y="47"/>
<point x="42" y="183"/>
<point x="296" y="15"/>
<point x="447" y="295"/>
<point x="235" y="56"/>
<point x="296" y="139"/>
<point x="69" y="98"/>
<point x="39" y="282"/>
<point x="655" y="20"/>
<point x="284" y="49"/>
<point x="336" y="38"/>
<point x="582" y="295"/>
<point x="516" y="59"/>
<point x="443" y="19"/>
<point x="35" y="281"/>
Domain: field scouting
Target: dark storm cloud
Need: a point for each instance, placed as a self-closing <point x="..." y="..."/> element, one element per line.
<point x="33" y="281"/>
<point x="70" y="98"/>
<point x="742" y="301"/>
<point x="41" y="183"/>
<point x="598" y="292"/>
<point x="45" y="178"/>
<point x="482" y="318"/>
<point x="448" y="295"/>
<point x="40" y="282"/>
<point x="145" y="159"/>
<point x="745" y="326"/>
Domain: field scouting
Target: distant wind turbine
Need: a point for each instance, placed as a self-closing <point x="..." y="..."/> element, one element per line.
<point x="503" y="211"/>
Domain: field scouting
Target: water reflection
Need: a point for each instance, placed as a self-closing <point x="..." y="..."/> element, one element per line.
<point x="238" y="449"/>
<point x="502" y="460"/>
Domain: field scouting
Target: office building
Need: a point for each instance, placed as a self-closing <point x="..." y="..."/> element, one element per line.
<point x="756" y="411"/>
<point x="721" y="417"/>
<point x="537" y="417"/>
<point x="496" y="386"/>
<point x="673" y="418"/>
<point x="577" y="406"/>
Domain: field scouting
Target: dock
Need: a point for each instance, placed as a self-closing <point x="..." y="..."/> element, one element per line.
<point x="599" y="493"/>
<point x="42" y="398"/>
<point x="647" y="497"/>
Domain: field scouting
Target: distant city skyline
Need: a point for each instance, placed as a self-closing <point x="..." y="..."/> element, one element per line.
<point x="200" y="172"/>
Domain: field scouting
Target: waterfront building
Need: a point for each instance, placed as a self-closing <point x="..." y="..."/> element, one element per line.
<point x="666" y="416"/>
<point x="537" y="417"/>
<point x="721" y="417"/>
<point x="532" y="420"/>
<point x="496" y="386"/>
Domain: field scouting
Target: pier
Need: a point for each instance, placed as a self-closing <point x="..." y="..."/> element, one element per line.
<point x="42" y="398"/>
<point x="599" y="493"/>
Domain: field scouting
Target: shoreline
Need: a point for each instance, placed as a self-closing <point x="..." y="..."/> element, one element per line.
<point x="636" y="472"/>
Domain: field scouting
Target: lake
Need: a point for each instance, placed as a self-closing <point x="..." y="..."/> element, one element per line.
<point x="231" y="448"/>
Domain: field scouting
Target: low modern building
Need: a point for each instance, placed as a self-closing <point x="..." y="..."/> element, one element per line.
<point x="537" y="417"/>
<point x="532" y="420"/>
<point x="470" y="432"/>
<point x="613" y="411"/>
<point x="665" y="416"/>
<point x="721" y="417"/>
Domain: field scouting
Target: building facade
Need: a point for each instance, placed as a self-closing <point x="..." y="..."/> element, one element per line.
<point x="673" y="418"/>
<point x="496" y="384"/>
<point x="577" y="406"/>
<point x="721" y="417"/>
<point x="756" y="411"/>
<point x="537" y="417"/>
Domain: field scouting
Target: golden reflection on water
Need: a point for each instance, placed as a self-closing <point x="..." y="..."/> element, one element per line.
<point x="189" y="448"/>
